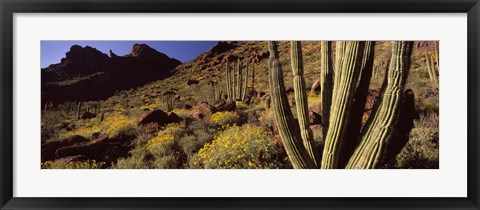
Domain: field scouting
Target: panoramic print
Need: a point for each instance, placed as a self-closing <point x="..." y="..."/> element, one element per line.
<point x="239" y="104"/>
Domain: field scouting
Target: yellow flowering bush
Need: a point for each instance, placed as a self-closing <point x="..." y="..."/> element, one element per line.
<point x="86" y="132"/>
<point x="163" y="144"/>
<point x="241" y="105"/>
<point x="225" y="118"/>
<point x="168" y="134"/>
<point x="119" y="125"/>
<point x="167" y="138"/>
<point x="183" y="113"/>
<point x="88" y="164"/>
<point x="247" y="146"/>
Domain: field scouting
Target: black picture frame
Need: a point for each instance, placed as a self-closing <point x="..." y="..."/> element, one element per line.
<point x="9" y="7"/>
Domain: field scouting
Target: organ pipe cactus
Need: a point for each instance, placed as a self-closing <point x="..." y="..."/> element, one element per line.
<point x="245" y="86"/>
<point x="235" y="83"/>
<point x="79" y="109"/>
<point x="239" y="80"/>
<point x="301" y="100"/>
<point x="432" y="72"/>
<point x="228" y="81"/>
<point x="385" y="132"/>
<point x="347" y="77"/>
<point x="326" y="84"/>
<point x="382" y="126"/>
<point x="288" y="129"/>
<point x="253" y="77"/>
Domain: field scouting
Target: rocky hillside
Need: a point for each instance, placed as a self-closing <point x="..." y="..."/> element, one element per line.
<point x="88" y="74"/>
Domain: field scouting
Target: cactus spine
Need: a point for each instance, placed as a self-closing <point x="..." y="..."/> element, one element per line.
<point x="382" y="125"/>
<point x="289" y="131"/>
<point x="326" y="84"/>
<point x="301" y="101"/>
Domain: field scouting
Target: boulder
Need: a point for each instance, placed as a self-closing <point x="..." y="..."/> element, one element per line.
<point x="173" y="118"/>
<point x="87" y="115"/>
<point x="206" y="109"/>
<point x="156" y="116"/>
<point x="314" y="118"/>
<point x="227" y="106"/>
<point x="192" y="82"/>
<point x="102" y="149"/>
<point x="48" y="149"/>
<point x="197" y="115"/>
<point x="315" y="86"/>
<point x="260" y="94"/>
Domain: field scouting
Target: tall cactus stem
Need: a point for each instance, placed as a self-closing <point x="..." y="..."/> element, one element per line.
<point x="346" y="78"/>
<point x="326" y="84"/>
<point x="382" y="125"/>
<point x="301" y="101"/>
<point x="79" y="110"/>
<point x="245" y="86"/>
<point x="253" y="77"/>
<point x="288" y="129"/>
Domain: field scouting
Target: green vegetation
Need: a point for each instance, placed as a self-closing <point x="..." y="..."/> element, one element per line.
<point x="271" y="123"/>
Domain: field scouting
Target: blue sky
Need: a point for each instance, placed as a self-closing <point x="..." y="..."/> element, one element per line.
<point x="53" y="51"/>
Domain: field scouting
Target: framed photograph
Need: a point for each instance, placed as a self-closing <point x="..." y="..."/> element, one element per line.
<point x="239" y="104"/>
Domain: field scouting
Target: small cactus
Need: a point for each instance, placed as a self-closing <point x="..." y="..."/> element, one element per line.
<point x="79" y="110"/>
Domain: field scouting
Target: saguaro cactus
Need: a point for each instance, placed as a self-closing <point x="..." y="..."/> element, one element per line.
<point x="385" y="132"/>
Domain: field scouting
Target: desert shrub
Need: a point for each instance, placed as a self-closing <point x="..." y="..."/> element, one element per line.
<point x="224" y="118"/>
<point x="120" y="125"/>
<point x="422" y="149"/>
<point x="267" y="118"/>
<point x="88" y="164"/>
<point x="138" y="156"/>
<point x="130" y="163"/>
<point x="239" y="147"/>
<point x="189" y="144"/>
<point x="165" y="162"/>
<point x="241" y="105"/>
<point x="183" y="113"/>
<point x="163" y="146"/>
<point x="51" y="165"/>
<point x="87" y="132"/>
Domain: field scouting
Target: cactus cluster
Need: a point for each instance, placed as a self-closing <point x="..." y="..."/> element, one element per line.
<point x="168" y="100"/>
<point x="236" y="81"/>
<point x="346" y="143"/>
